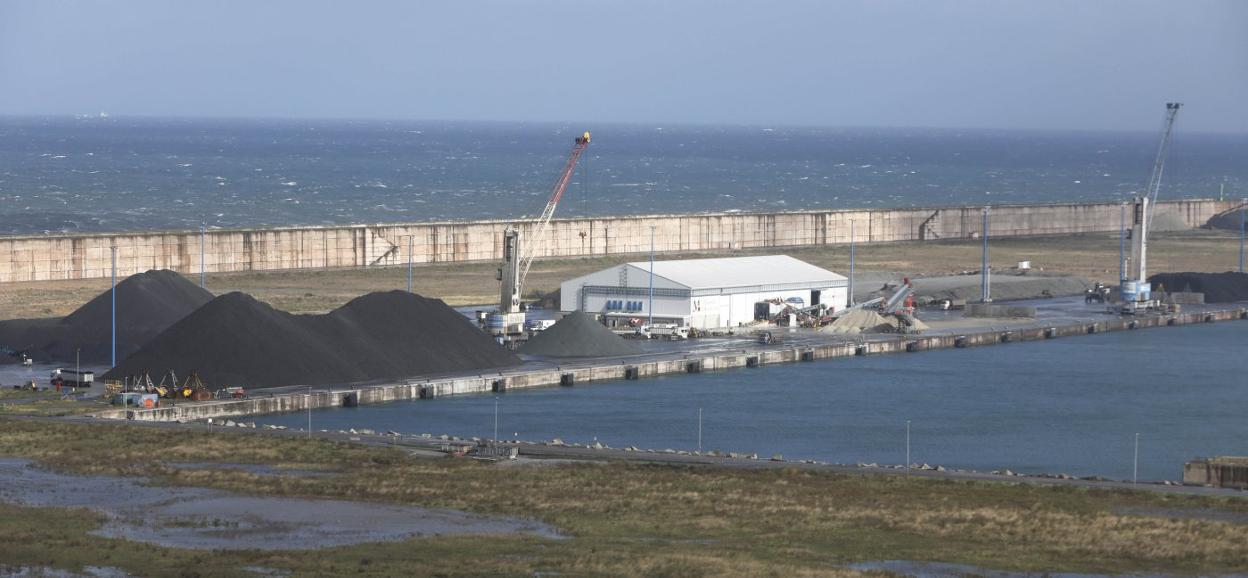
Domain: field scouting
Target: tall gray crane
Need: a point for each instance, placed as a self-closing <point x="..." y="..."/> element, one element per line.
<point x="1136" y="291"/>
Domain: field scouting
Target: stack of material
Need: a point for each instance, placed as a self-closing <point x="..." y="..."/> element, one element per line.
<point x="579" y="335"/>
<point x="1217" y="287"/>
<point x="147" y="304"/>
<point x="869" y="321"/>
<point x="236" y="340"/>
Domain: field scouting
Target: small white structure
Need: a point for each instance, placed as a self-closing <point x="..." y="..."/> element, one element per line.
<point x="704" y="293"/>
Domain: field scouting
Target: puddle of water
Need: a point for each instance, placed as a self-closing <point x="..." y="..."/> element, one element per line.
<point x="201" y="518"/>
<point x="915" y="569"/>
<point x="45" y="572"/>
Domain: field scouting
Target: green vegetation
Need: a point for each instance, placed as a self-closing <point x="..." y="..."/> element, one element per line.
<point x="621" y="519"/>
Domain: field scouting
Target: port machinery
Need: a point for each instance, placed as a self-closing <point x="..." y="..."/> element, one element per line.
<point x="518" y="254"/>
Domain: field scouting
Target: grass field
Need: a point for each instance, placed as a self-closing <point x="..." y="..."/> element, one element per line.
<point x="621" y="519"/>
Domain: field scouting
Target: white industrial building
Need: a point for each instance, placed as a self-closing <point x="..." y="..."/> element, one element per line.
<point x="703" y="293"/>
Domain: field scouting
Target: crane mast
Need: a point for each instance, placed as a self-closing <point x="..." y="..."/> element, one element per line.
<point x="1136" y="291"/>
<point x="518" y="254"/>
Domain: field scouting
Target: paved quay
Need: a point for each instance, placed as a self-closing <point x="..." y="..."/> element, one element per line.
<point x="1055" y="318"/>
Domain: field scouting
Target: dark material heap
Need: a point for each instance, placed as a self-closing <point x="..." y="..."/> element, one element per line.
<point x="236" y="340"/>
<point x="579" y="335"/>
<point x="1217" y="287"/>
<point x="147" y="304"/>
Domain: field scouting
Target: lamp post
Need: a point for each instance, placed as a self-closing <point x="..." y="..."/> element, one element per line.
<point x="907" y="448"/>
<point x="113" y="297"/>
<point x="699" y="430"/>
<point x="851" y="263"/>
<point x="409" y="263"/>
<point x="203" y="234"/>
<point x="1135" y="465"/>
<point x="495" y="419"/>
<point x="650" y="308"/>
<point x="985" y="289"/>
<point x="309" y="412"/>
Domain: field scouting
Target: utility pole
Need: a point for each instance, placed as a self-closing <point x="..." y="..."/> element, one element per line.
<point x="986" y="287"/>
<point x="699" y="430"/>
<point x="851" y="263"/>
<point x="907" y="448"/>
<point x="203" y="234"/>
<point x="409" y="262"/>
<point x="495" y="419"/>
<point x="1243" y="223"/>
<point x="1135" y="467"/>
<point x="113" y="296"/>
<point x="650" y="308"/>
<point x="309" y="412"/>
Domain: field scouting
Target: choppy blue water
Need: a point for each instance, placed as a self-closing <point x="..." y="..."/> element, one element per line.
<point x="69" y="175"/>
<point x="1067" y="405"/>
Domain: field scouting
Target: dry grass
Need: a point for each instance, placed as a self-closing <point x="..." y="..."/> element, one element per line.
<point x="1093" y="256"/>
<point x="677" y="521"/>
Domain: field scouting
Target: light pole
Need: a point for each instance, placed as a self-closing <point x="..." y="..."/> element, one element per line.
<point x="77" y="368"/>
<point x="650" y="307"/>
<point x="851" y="263"/>
<point x="113" y="296"/>
<point x="907" y="448"/>
<point x="1135" y="466"/>
<point x="409" y="263"/>
<point x="495" y="419"/>
<point x="309" y="412"/>
<point x="1243" y="208"/>
<point x="987" y="297"/>
<point x="203" y="233"/>
<point x="699" y="430"/>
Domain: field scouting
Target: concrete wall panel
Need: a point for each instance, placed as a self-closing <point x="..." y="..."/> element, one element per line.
<point x="39" y="258"/>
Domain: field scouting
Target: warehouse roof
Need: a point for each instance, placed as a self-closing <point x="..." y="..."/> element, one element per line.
<point x="742" y="272"/>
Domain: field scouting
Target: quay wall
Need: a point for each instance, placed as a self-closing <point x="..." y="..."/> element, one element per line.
<point x="691" y="363"/>
<point x="55" y="257"/>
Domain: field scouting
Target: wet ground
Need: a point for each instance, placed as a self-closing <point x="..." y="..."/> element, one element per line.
<point x="200" y="518"/>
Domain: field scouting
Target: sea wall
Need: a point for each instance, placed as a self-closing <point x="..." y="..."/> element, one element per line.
<point x="41" y="258"/>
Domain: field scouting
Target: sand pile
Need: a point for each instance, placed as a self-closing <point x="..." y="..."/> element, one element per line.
<point x="1217" y="287"/>
<point x="869" y="321"/>
<point x="147" y="304"/>
<point x="579" y="335"/>
<point x="237" y="340"/>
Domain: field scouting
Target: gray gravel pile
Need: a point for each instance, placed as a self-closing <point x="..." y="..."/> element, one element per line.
<point x="579" y="335"/>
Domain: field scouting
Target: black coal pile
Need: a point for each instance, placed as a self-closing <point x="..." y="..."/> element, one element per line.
<point x="147" y="304"/>
<point x="236" y="340"/>
<point x="1226" y="220"/>
<point x="579" y="335"/>
<point x="1217" y="287"/>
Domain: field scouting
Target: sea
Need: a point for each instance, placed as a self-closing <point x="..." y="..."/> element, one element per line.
<point x="94" y="174"/>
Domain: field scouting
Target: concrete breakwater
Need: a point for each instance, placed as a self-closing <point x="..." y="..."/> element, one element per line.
<point x="749" y="357"/>
<point x="43" y="258"/>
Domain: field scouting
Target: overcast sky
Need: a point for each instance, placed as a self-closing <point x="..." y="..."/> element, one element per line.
<point x="994" y="63"/>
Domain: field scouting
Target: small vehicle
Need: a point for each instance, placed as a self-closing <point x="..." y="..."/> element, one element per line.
<point x="664" y="331"/>
<point x="72" y="378"/>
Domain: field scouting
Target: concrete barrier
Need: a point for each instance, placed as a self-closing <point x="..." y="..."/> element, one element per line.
<point x="43" y="257"/>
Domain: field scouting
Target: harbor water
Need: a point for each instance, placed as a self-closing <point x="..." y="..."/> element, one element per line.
<point x="1069" y="405"/>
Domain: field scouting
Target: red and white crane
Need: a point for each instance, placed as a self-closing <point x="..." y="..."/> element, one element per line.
<point x="509" y="321"/>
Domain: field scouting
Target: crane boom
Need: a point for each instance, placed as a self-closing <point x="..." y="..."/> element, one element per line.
<point x="1154" y="182"/>
<point x="561" y="185"/>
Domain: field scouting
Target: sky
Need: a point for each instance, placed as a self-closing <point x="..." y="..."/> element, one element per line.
<point x="1047" y="64"/>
